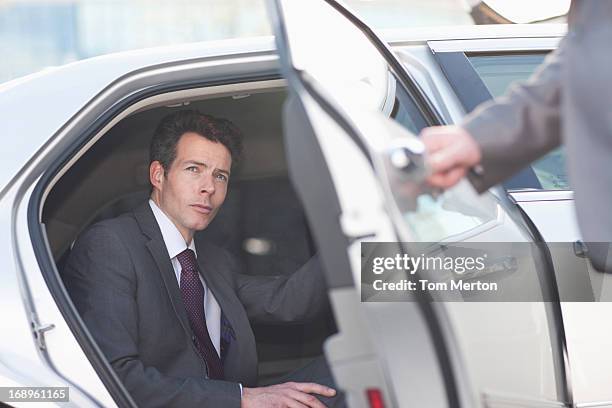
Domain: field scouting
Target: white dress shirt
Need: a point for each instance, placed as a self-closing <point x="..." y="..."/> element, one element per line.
<point x="175" y="244"/>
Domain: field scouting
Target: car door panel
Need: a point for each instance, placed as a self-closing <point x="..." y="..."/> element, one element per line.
<point x="551" y="357"/>
<point x="543" y="197"/>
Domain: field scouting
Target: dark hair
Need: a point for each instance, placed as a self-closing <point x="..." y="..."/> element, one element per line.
<point x="173" y="126"/>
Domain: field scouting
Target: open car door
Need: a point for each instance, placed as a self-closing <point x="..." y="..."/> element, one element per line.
<point x="350" y="124"/>
<point x="344" y="83"/>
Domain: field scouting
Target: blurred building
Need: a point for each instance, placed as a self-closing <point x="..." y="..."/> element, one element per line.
<point x="38" y="34"/>
<point x="35" y="34"/>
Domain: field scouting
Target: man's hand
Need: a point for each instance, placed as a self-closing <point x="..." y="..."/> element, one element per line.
<point x="451" y="152"/>
<point x="289" y="395"/>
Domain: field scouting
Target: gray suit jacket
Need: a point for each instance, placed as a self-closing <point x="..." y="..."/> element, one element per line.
<point x="121" y="280"/>
<point x="567" y="100"/>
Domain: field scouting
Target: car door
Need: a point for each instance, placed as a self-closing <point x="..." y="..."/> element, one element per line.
<point x="478" y="70"/>
<point x="330" y="164"/>
<point x="348" y="95"/>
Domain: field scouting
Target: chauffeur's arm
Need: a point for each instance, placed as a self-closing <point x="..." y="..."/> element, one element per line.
<point x="521" y="126"/>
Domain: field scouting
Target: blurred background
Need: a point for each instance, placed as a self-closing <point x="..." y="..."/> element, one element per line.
<point x="37" y="34"/>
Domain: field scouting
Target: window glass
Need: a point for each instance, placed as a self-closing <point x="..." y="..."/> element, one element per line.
<point x="498" y="72"/>
<point x="432" y="219"/>
<point x="455" y="212"/>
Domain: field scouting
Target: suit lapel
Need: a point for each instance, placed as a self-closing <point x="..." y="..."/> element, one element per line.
<point x="221" y="290"/>
<point x="160" y="255"/>
<point x="242" y="343"/>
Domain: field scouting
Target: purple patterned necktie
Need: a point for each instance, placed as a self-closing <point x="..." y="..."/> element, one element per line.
<point x="193" y="298"/>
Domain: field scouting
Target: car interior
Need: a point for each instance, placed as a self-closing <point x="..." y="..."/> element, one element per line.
<point x="262" y="221"/>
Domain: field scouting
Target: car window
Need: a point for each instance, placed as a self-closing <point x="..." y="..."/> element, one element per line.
<point x="432" y="219"/>
<point x="498" y="72"/>
<point x="456" y="212"/>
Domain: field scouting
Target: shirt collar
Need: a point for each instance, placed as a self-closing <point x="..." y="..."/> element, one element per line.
<point x="175" y="243"/>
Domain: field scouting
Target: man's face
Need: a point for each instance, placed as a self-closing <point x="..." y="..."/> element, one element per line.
<point x="191" y="192"/>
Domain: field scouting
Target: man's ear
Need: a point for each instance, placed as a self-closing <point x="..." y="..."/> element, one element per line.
<point x="156" y="174"/>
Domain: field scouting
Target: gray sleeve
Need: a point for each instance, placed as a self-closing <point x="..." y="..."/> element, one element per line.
<point x="101" y="280"/>
<point x="519" y="127"/>
<point x="299" y="297"/>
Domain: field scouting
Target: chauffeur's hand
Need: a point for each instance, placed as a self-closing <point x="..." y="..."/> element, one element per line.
<point x="286" y="395"/>
<point x="451" y="153"/>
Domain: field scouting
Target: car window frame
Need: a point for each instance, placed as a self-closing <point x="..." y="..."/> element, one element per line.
<point x="75" y="136"/>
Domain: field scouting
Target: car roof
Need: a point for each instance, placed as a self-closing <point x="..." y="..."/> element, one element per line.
<point x="37" y="106"/>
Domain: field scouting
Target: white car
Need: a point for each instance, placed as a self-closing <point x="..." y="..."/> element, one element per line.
<point x="318" y="112"/>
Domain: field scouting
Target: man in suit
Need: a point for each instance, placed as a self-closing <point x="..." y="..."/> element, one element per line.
<point x="170" y="312"/>
<point x="566" y="100"/>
